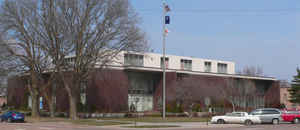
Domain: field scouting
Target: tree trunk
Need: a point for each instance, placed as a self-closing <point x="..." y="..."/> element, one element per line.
<point x="73" y="107"/>
<point x="72" y="102"/>
<point x="51" y="103"/>
<point x="35" y="96"/>
<point x="35" y="105"/>
<point x="51" y="108"/>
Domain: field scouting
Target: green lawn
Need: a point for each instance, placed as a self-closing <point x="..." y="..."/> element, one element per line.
<point x="93" y="122"/>
<point x="96" y="123"/>
<point x="118" y="121"/>
<point x="159" y="119"/>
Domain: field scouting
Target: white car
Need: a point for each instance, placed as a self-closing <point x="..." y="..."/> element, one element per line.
<point x="236" y="117"/>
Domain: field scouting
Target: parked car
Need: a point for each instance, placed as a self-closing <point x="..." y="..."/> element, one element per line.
<point x="291" y="116"/>
<point x="236" y="117"/>
<point x="12" y="116"/>
<point x="268" y="115"/>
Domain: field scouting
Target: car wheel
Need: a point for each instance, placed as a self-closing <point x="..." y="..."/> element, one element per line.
<point x="9" y="120"/>
<point x="1" y="120"/>
<point x="221" y="121"/>
<point x="275" y="121"/>
<point x="296" y="121"/>
<point x="248" y="122"/>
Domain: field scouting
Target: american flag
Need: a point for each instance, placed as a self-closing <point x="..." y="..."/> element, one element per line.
<point x="166" y="32"/>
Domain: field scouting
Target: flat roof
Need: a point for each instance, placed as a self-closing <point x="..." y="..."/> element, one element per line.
<point x="153" y="69"/>
<point x="171" y="55"/>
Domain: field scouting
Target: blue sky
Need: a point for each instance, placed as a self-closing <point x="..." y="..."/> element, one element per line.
<point x="263" y="33"/>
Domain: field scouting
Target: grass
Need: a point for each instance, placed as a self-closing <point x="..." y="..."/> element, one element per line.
<point x="160" y="120"/>
<point x="92" y="122"/>
<point x="96" y="123"/>
<point x="119" y="121"/>
<point x="151" y="126"/>
<point x="45" y="119"/>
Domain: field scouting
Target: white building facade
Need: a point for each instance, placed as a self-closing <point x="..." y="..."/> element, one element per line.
<point x="155" y="61"/>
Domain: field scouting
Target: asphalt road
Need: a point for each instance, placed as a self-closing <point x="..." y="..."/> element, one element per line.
<point x="67" y="126"/>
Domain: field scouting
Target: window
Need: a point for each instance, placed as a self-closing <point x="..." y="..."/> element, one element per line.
<point x="222" y="68"/>
<point x="186" y="64"/>
<point x="162" y="62"/>
<point x="270" y="112"/>
<point x="255" y="112"/>
<point x="134" y="59"/>
<point x="207" y="66"/>
<point x="234" y="114"/>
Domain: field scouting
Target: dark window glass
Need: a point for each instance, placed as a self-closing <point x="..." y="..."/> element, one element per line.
<point x="255" y="112"/>
<point x="134" y="59"/>
<point x="270" y="112"/>
<point x="186" y="64"/>
<point x="162" y="62"/>
<point x="207" y="67"/>
<point x="222" y="68"/>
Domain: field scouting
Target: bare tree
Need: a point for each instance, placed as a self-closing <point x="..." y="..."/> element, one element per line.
<point x="183" y="94"/>
<point x="247" y="93"/>
<point x="84" y="34"/>
<point x="239" y="92"/>
<point x="191" y="90"/>
<point x="3" y="70"/>
<point x="3" y="86"/>
<point x="229" y="92"/>
<point x="18" y="21"/>
<point x="75" y="36"/>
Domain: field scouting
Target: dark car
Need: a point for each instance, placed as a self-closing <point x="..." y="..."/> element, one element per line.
<point x="12" y="116"/>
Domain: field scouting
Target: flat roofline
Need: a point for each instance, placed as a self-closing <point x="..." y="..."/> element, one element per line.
<point x="193" y="72"/>
<point x="171" y="55"/>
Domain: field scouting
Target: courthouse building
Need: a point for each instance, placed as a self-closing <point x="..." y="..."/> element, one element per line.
<point x="136" y="79"/>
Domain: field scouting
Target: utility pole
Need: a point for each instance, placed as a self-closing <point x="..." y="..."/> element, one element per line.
<point x="164" y="65"/>
<point x="165" y="10"/>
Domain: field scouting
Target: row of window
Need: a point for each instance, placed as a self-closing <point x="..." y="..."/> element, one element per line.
<point x="185" y="64"/>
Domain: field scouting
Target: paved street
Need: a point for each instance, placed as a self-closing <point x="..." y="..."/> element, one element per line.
<point x="185" y="126"/>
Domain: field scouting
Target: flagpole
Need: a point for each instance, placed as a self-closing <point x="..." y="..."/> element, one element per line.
<point x="164" y="60"/>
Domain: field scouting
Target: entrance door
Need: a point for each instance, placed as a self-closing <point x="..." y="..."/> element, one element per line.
<point x="141" y="102"/>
